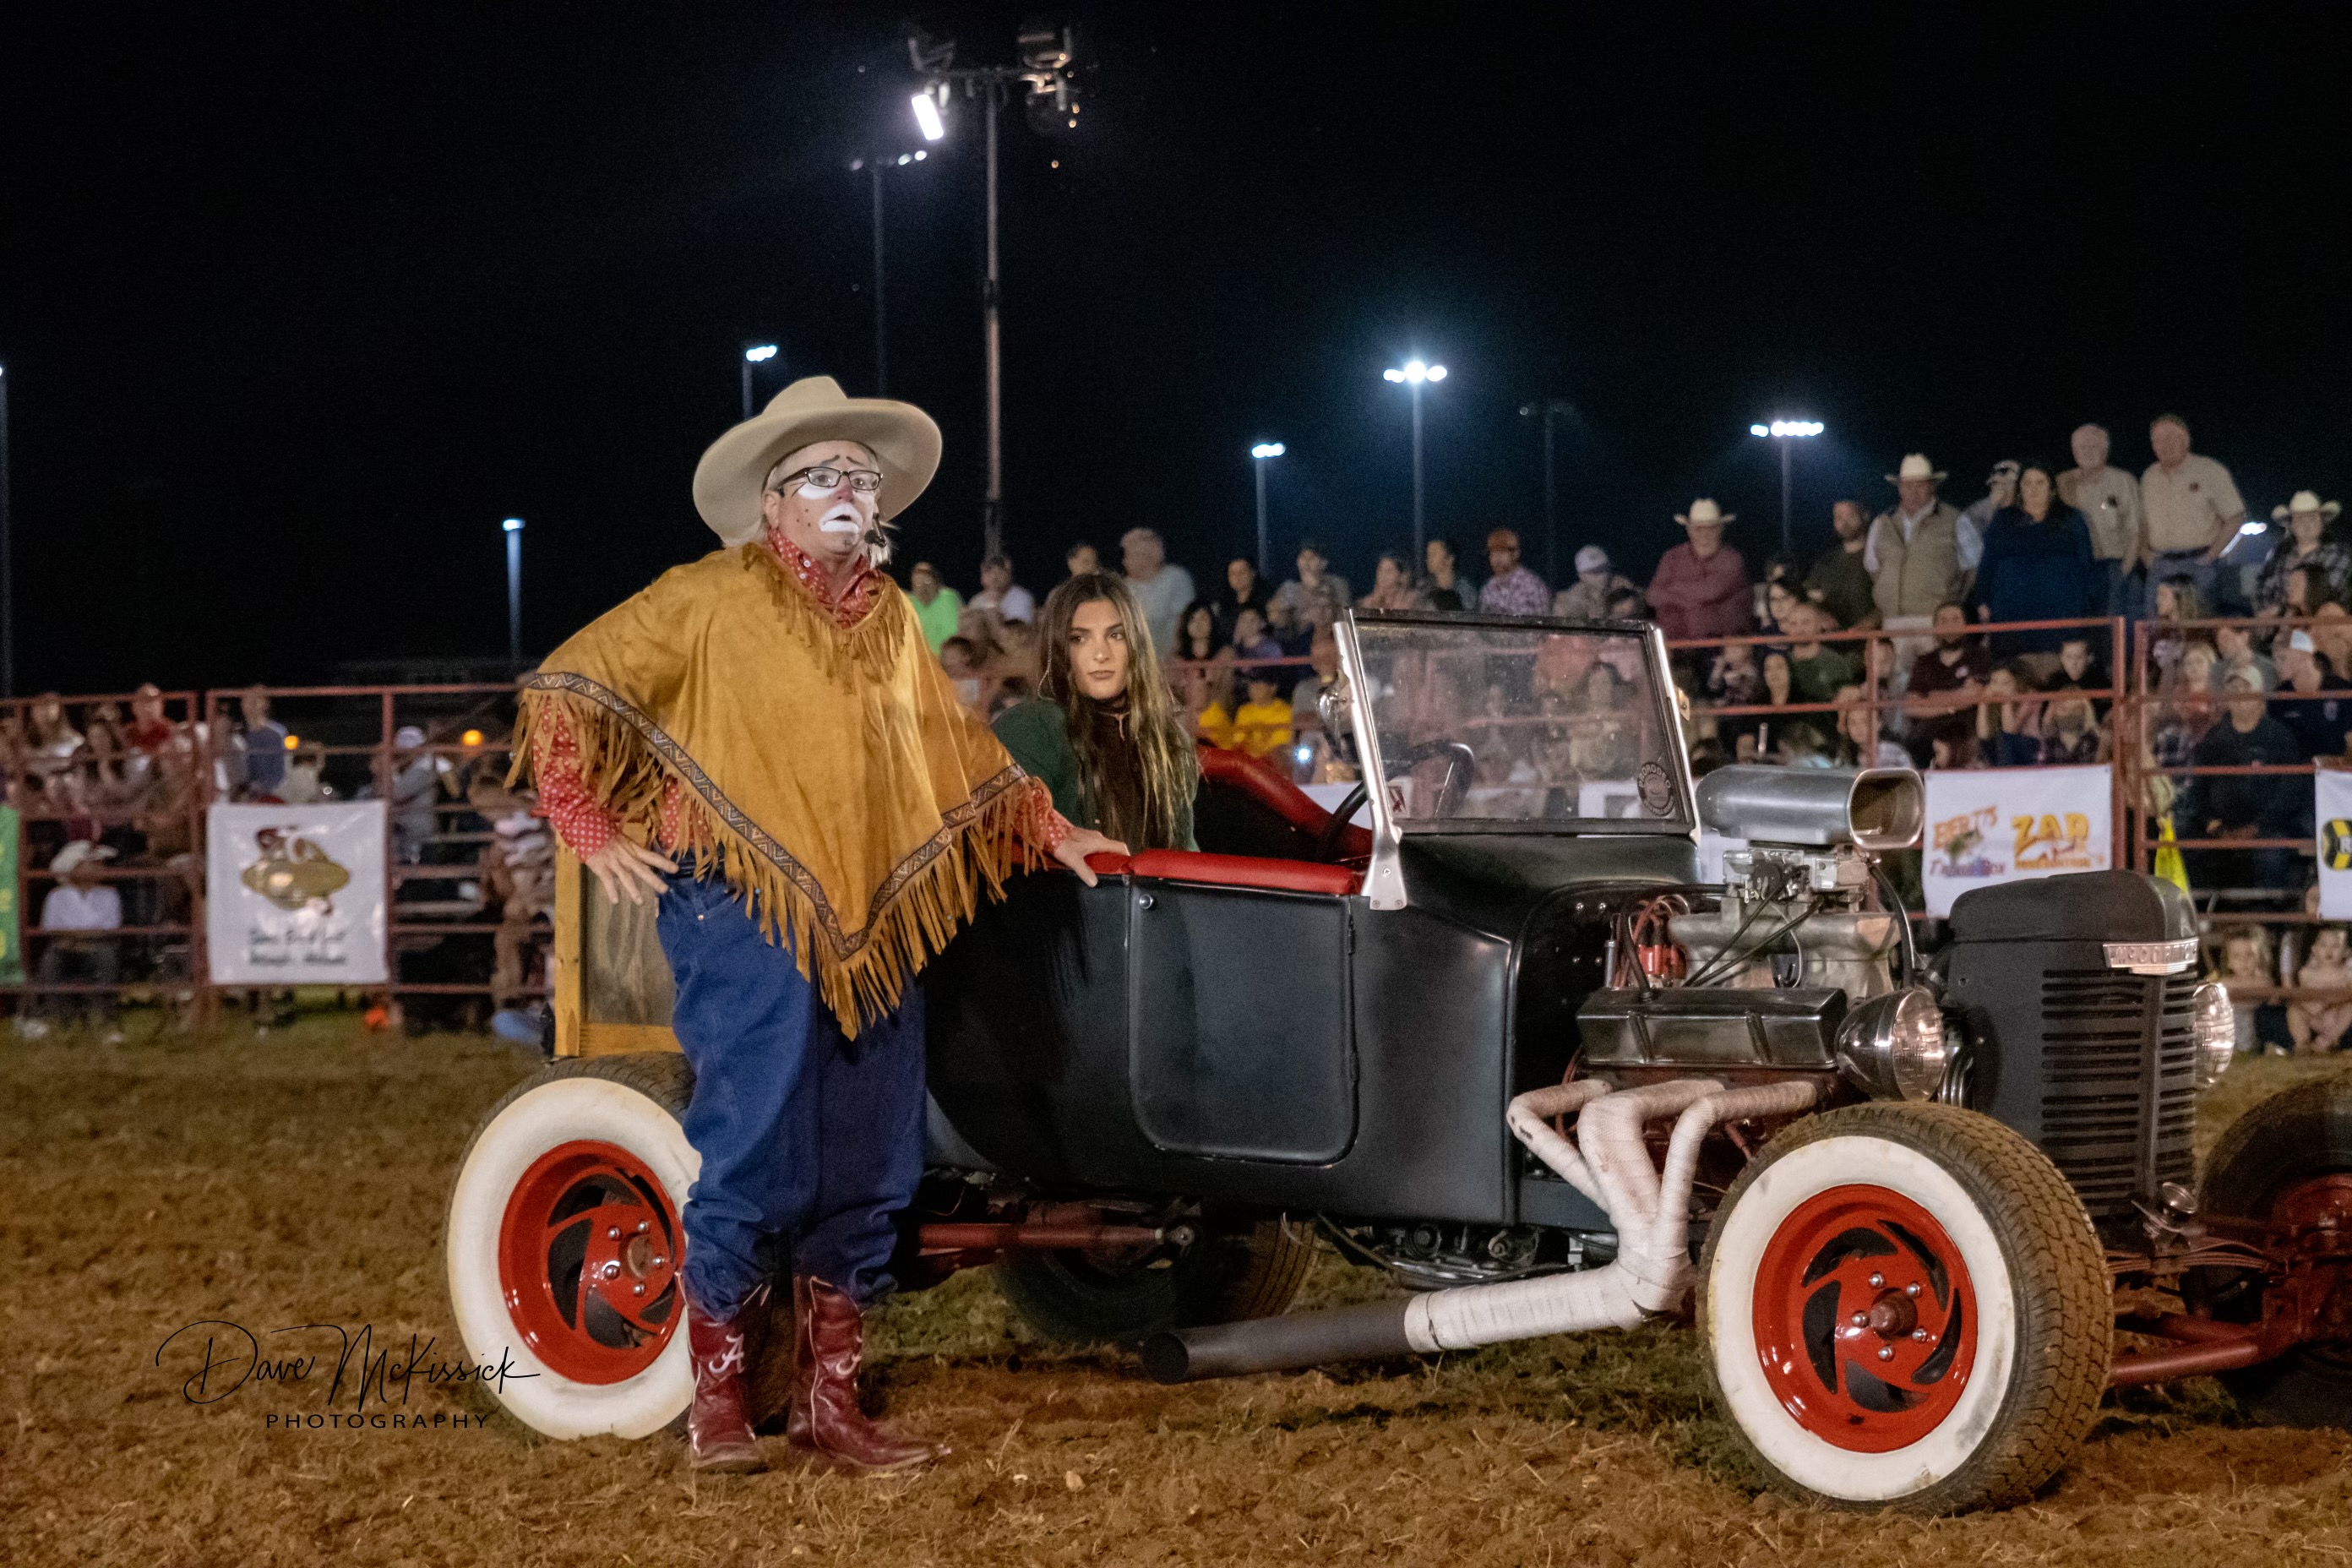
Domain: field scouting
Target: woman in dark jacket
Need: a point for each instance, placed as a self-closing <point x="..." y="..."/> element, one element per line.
<point x="2037" y="566"/>
<point x="1103" y="732"/>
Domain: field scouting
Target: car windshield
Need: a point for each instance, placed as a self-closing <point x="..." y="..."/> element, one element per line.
<point x="1490" y="725"/>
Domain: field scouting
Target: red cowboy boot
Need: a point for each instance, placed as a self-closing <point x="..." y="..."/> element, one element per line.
<point x="718" y="1425"/>
<point x="825" y="1415"/>
<point x="797" y="1427"/>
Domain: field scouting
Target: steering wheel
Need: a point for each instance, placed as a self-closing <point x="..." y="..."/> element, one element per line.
<point x="1461" y="765"/>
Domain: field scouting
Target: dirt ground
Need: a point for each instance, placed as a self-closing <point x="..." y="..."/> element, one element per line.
<point x="299" y="1179"/>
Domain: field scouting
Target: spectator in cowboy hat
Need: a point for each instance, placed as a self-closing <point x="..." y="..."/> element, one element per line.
<point x="1920" y="552"/>
<point x="80" y="903"/>
<point x="1701" y="587"/>
<point x="1588" y="598"/>
<point x="2327" y="562"/>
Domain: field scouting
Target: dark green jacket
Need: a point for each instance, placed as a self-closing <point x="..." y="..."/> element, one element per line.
<point x="1037" y="733"/>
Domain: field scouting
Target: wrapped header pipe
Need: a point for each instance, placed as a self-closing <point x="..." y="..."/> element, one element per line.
<point x="1607" y="1161"/>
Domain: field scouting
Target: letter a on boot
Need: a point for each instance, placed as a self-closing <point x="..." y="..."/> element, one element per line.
<point x="825" y="1415"/>
<point x="718" y="1426"/>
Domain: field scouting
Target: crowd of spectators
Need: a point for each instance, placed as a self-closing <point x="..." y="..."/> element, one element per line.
<point x="111" y="845"/>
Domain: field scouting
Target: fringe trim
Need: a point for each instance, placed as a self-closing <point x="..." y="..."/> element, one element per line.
<point x="873" y="646"/>
<point x="627" y="762"/>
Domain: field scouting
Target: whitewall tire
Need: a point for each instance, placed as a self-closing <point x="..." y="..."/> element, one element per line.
<point x="563" y="1245"/>
<point x="1906" y="1306"/>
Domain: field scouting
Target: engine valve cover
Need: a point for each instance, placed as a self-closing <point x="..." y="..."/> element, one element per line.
<point x="1792" y="1026"/>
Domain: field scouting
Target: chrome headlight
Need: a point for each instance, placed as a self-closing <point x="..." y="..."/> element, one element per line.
<point x="2213" y="1025"/>
<point x="1894" y="1045"/>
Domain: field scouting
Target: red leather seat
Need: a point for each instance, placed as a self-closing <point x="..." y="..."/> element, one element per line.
<point x="1252" y="776"/>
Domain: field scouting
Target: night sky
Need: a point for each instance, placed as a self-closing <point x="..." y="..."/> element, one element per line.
<point x="296" y="304"/>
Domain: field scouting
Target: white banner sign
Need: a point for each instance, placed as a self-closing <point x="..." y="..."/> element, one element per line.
<point x="2009" y="825"/>
<point x="2332" y="796"/>
<point x="295" y="894"/>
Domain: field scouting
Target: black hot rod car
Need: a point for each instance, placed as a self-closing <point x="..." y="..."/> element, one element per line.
<point x="1506" y="1043"/>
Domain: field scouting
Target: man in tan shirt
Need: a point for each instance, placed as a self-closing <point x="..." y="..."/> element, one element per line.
<point x="2108" y="500"/>
<point x="2192" y="510"/>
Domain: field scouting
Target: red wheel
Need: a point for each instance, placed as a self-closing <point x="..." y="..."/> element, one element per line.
<point x="1906" y="1306"/>
<point x="563" y="1245"/>
<point x="2289" y="1161"/>
<point x="1865" y="1320"/>
<point x="588" y="1259"/>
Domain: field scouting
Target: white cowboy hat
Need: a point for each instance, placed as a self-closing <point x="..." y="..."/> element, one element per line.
<point x="727" y="481"/>
<point x="1915" y="466"/>
<point x="1705" y="510"/>
<point x="2306" y="501"/>
<point x="75" y="853"/>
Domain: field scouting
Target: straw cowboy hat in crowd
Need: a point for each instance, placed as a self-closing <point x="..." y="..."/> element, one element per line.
<point x="75" y="853"/>
<point x="1915" y="467"/>
<point x="2306" y="501"/>
<point x="1705" y="510"/>
<point x="728" y="481"/>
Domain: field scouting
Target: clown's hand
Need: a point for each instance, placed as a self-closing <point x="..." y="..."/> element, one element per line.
<point x="1081" y="842"/>
<point x="622" y="867"/>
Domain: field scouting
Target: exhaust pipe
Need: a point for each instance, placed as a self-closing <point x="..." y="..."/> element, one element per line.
<point x="1607" y="1162"/>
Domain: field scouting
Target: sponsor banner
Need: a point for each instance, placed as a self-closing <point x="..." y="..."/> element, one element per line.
<point x="2332" y="800"/>
<point x="2009" y="825"/>
<point x="296" y="894"/>
<point x="12" y="914"/>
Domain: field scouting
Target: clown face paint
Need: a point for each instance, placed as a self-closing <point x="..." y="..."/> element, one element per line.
<point x="833" y="524"/>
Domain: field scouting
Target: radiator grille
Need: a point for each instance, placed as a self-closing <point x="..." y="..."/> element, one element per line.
<point x="2099" y="1113"/>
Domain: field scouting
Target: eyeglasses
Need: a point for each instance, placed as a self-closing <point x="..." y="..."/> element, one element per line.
<point x="865" y="481"/>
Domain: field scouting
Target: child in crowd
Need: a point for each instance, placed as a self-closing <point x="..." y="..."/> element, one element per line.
<point x="1250" y="638"/>
<point x="2006" y="731"/>
<point x="2263" y="1026"/>
<point x="1263" y="725"/>
<point x="1216" y="723"/>
<point x="2070" y="732"/>
<point x="1735" y="681"/>
<point x="2321" y="1025"/>
<point x="955" y="658"/>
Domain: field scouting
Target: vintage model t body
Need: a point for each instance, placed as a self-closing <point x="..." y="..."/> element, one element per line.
<point x="1506" y="1043"/>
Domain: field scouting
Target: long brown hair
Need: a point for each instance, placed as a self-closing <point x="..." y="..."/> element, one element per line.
<point x="1164" y="758"/>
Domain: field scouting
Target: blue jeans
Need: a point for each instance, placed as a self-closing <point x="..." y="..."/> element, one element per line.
<point x="810" y="1142"/>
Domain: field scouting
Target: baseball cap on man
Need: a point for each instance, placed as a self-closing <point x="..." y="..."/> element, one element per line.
<point x="1591" y="558"/>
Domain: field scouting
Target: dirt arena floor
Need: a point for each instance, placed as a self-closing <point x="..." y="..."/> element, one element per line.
<point x="299" y="1179"/>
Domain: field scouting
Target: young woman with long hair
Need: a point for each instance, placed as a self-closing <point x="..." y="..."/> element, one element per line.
<point x="1103" y="732"/>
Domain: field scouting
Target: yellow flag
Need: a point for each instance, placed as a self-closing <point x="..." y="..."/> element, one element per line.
<point x="2168" y="858"/>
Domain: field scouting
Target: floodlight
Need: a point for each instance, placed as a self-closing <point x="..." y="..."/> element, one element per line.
<point x="512" y="525"/>
<point x="927" y="118"/>
<point x="760" y="353"/>
<point x="1267" y="449"/>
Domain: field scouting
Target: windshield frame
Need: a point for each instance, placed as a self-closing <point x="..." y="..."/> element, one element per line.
<point x="1388" y="829"/>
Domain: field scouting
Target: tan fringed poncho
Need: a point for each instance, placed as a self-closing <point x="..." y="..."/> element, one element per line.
<point x="829" y="773"/>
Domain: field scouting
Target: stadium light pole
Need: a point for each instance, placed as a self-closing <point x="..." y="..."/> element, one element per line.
<point x="1260" y="454"/>
<point x="1412" y="372"/>
<point x="7" y="564"/>
<point x="1785" y="431"/>
<point x="1550" y="410"/>
<point x="874" y="168"/>
<point x="513" y="528"/>
<point x="1045" y="73"/>
<point x="753" y="353"/>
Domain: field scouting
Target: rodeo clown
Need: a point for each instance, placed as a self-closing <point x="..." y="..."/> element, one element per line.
<point x="763" y="741"/>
